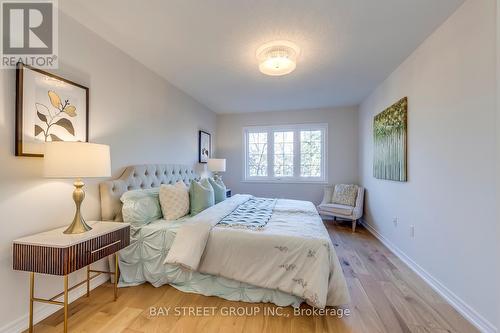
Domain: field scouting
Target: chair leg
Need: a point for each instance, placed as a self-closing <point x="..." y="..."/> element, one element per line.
<point x="354" y="225"/>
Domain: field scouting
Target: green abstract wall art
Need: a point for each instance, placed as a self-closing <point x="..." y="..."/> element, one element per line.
<point x="390" y="148"/>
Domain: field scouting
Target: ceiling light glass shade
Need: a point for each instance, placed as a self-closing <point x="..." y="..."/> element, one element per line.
<point x="278" y="58"/>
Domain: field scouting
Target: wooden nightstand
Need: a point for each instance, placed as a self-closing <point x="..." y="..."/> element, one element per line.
<point x="228" y="193"/>
<point x="55" y="253"/>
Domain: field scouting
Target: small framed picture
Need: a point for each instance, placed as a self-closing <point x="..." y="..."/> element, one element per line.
<point x="204" y="146"/>
<point x="48" y="108"/>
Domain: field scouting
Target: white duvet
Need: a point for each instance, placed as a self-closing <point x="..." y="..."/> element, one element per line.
<point x="293" y="253"/>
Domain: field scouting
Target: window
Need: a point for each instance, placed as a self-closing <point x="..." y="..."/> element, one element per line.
<point x="283" y="154"/>
<point x="257" y="154"/>
<point x="310" y="153"/>
<point x="289" y="153"/>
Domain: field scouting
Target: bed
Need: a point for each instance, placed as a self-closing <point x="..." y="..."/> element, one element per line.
<point x="286" y="261"/>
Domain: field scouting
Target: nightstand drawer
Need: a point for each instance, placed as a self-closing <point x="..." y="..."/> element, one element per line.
<point x="105" y="245"/>
<point x="64" y="260"/>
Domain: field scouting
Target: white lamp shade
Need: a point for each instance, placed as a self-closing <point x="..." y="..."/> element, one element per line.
<point x="217" y="164"/>
<point x="76" y="160"/>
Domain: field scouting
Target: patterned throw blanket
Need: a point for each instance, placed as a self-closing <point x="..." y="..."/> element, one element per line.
<point x="253" y="214"/>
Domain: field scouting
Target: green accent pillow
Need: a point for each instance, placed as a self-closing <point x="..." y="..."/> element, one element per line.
<point x="201" y="196"/>
<point x="141" y="207"/>
<point x="219" y="189"/>
<point x="345" y="194"/>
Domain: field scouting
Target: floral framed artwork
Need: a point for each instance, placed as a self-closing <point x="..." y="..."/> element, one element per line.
<point x="204" y="146"/>
<point x="48" y="108"/>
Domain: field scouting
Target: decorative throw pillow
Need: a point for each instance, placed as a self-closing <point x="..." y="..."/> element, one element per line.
<point x="345" y="195"/>
<point x="141" y="207"/>
<point x="201" y="196"/>
<point x="219" y="189"/>
<point x="174" y="200"/>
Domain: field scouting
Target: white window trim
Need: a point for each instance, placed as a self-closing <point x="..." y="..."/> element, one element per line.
<point x="296" y="179"/>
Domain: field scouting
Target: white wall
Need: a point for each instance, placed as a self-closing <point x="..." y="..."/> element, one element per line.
<point x="142" y="117"/>
<point x="450" y="196"/>
<point x="498" y="149"/>
<point x="342" y="149"/>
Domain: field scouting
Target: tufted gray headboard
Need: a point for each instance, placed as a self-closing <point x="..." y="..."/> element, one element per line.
<point x="139" y="177"/>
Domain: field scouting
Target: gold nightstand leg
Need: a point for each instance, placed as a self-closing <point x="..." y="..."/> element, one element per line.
<point x="65" y="303"/>
<point x="88" y="280"/>
<point x="116" y="276"/>
<point x="32" y="295"/>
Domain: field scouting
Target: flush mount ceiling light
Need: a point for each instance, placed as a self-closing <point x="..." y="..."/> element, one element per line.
<point x="278" y="58"/>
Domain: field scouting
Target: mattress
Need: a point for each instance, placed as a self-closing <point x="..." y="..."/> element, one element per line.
<point x="143" y="261"/>
<point x="290" y="251"/>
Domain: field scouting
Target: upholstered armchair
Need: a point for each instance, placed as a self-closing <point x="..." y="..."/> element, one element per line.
<point x="353" y="213"/>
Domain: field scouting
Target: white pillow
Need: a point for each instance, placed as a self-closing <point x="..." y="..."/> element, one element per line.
<point x="174" y="200"/>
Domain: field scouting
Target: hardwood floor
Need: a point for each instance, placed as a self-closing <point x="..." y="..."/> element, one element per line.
<point x="386" y="297"/>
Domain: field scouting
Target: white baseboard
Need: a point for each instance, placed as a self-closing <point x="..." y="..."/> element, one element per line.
<point x="42" y="312"/>
<point x="465" y="310"/>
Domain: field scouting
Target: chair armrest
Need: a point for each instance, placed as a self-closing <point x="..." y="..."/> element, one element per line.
<point x="327" y="195"/>
<point x="358" y="209"/>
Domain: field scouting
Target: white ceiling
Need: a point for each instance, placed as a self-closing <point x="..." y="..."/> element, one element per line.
<point x="207" y="47"/>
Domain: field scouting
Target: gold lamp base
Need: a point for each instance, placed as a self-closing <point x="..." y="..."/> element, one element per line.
<point x="78" y="225"/>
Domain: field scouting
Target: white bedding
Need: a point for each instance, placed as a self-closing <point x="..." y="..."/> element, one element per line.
<point x="293" y="253"/>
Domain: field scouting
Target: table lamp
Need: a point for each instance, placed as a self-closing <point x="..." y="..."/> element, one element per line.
<point x="217" y="165"/>
<point x="77" y="160"/>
